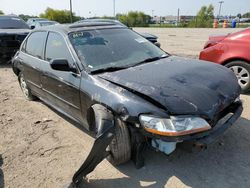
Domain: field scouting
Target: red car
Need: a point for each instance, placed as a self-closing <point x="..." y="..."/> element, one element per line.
<point x="232" y="51"/>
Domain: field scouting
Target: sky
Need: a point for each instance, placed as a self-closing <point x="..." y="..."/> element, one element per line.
<point x="90" y="8"/>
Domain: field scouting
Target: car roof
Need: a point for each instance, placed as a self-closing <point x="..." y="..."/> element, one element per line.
<point x="9" y="16"/>
<point x="46" y="21"/>
<point x="68" y="28"/>
<point x="37" y="19"/>
<point x="101" y="20"/>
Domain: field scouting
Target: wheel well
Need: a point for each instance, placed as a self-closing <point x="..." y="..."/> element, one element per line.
<point x="93" y="112"/>
<point x="91" y="119"/>
<point x="234" y="59"/>
<point x="17" y="71"/>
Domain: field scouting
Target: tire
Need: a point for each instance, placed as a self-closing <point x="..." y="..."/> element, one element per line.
<point x="242" y="71"/>
<point x="25" y="89"/>
<point x="120" y="146"/>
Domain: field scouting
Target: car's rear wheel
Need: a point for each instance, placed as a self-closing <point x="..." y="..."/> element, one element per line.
<point x="242" y="71"/>
<point x="120" y="146"/>
<point x="25" y="89"/>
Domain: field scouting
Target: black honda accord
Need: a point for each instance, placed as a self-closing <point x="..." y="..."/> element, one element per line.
<point x="126" y="91"/>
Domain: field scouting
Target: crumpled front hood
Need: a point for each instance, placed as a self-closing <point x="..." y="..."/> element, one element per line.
<point x="183" y="86"/>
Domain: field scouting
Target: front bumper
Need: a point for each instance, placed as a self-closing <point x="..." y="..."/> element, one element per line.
<point x="210" y="136"/>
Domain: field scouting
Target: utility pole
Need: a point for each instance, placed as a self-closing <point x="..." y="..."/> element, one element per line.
<point x="178" y="17"/>
<point x="71" y="14"/>
<point x="152" y="19"/>
<point x="114" y="9"/>
<point x="220" y="2"/>
<point x="152" y="14"/>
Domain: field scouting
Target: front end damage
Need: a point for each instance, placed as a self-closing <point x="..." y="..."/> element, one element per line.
<point x="201" y="140"/>
<point x="206" y="98"/>
<point x="167" y="144"/>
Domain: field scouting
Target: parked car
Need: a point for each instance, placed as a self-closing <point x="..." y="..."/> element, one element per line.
<point x="150" y="37"/>
<point x="40" y="24"/>
<point x="126" y="91"/>
<point x="32" y="21"/>
<point x="13" y="30"/>
<point x="232" y="51"/>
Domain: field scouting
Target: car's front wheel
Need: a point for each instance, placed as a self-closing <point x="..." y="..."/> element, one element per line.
<point x="242" y="71"/>
<point x="120" y="146"/>
<point x="25" y="89"/>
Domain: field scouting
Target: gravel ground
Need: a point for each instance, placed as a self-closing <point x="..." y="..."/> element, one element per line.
<point x="40" y="148"/>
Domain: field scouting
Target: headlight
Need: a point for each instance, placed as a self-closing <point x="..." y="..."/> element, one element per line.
<point x="174" y="126"/>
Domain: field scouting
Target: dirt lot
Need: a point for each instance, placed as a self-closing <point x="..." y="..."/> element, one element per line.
<point x="38" y="148"/>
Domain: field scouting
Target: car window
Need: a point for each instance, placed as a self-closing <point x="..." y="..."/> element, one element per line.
<point x="56" y="48"/>
<point x="104" y="48"/>
<point x="12" y="23"/>
<point x="35" y="44"/>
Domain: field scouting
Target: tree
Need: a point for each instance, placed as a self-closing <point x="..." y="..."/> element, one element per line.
<point x="134" y="19"/>
<point x="1" y="12"/>
<point x="246" y="15"/>
<point x="239" y="15"/>
<point x="61" y="16"/>
<point x="26" y="17"/>
<point x="204" y="17"/>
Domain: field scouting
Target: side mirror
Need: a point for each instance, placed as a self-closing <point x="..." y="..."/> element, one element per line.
<point x="61" y="65"/>
<point x="32" y="27"/>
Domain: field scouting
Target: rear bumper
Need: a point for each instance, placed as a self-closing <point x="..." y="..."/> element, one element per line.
<point x="8" y="52"/>
<point x="209" y="136"/>
<point x="9" y="44"/>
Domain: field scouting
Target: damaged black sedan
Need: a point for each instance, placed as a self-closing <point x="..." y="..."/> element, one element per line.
<point x="125" y="90"/>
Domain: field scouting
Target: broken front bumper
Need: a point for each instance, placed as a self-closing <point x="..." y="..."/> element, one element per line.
<point x="98" y="151"/>
<point x="208" y="136"/>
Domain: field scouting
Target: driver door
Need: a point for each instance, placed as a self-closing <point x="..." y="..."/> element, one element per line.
<point x="61" y="87"/>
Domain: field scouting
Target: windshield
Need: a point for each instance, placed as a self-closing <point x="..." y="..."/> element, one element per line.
<point x="104" y="48"/>
<point x="12" y="23"/>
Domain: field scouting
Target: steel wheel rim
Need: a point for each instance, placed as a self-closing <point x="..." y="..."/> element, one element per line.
<point x="242" y="75"/>
<point x="24" y="87"/>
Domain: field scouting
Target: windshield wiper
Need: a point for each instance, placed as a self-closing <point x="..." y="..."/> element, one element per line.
<point x="112" y="69"/>
<point x="108" y="69"/>
<point x="148" y="60"/>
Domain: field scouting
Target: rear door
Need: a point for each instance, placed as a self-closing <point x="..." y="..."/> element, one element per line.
<point x="61" y="88"/>
<point x="31" y="58"/>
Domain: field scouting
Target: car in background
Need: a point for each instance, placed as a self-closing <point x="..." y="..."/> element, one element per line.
<point x="126" y="91"/>
<point x="40" y="24"/>
<point x="232" y="51"/>
<point x="32" y="21"/>
<point x="150" y="37"/>
<point x="13" y="31"/>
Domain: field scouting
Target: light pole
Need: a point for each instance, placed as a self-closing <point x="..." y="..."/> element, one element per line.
<point x="114" y="9"/>
<point x="71" y="14"/>
<point x="220" y="2"/>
